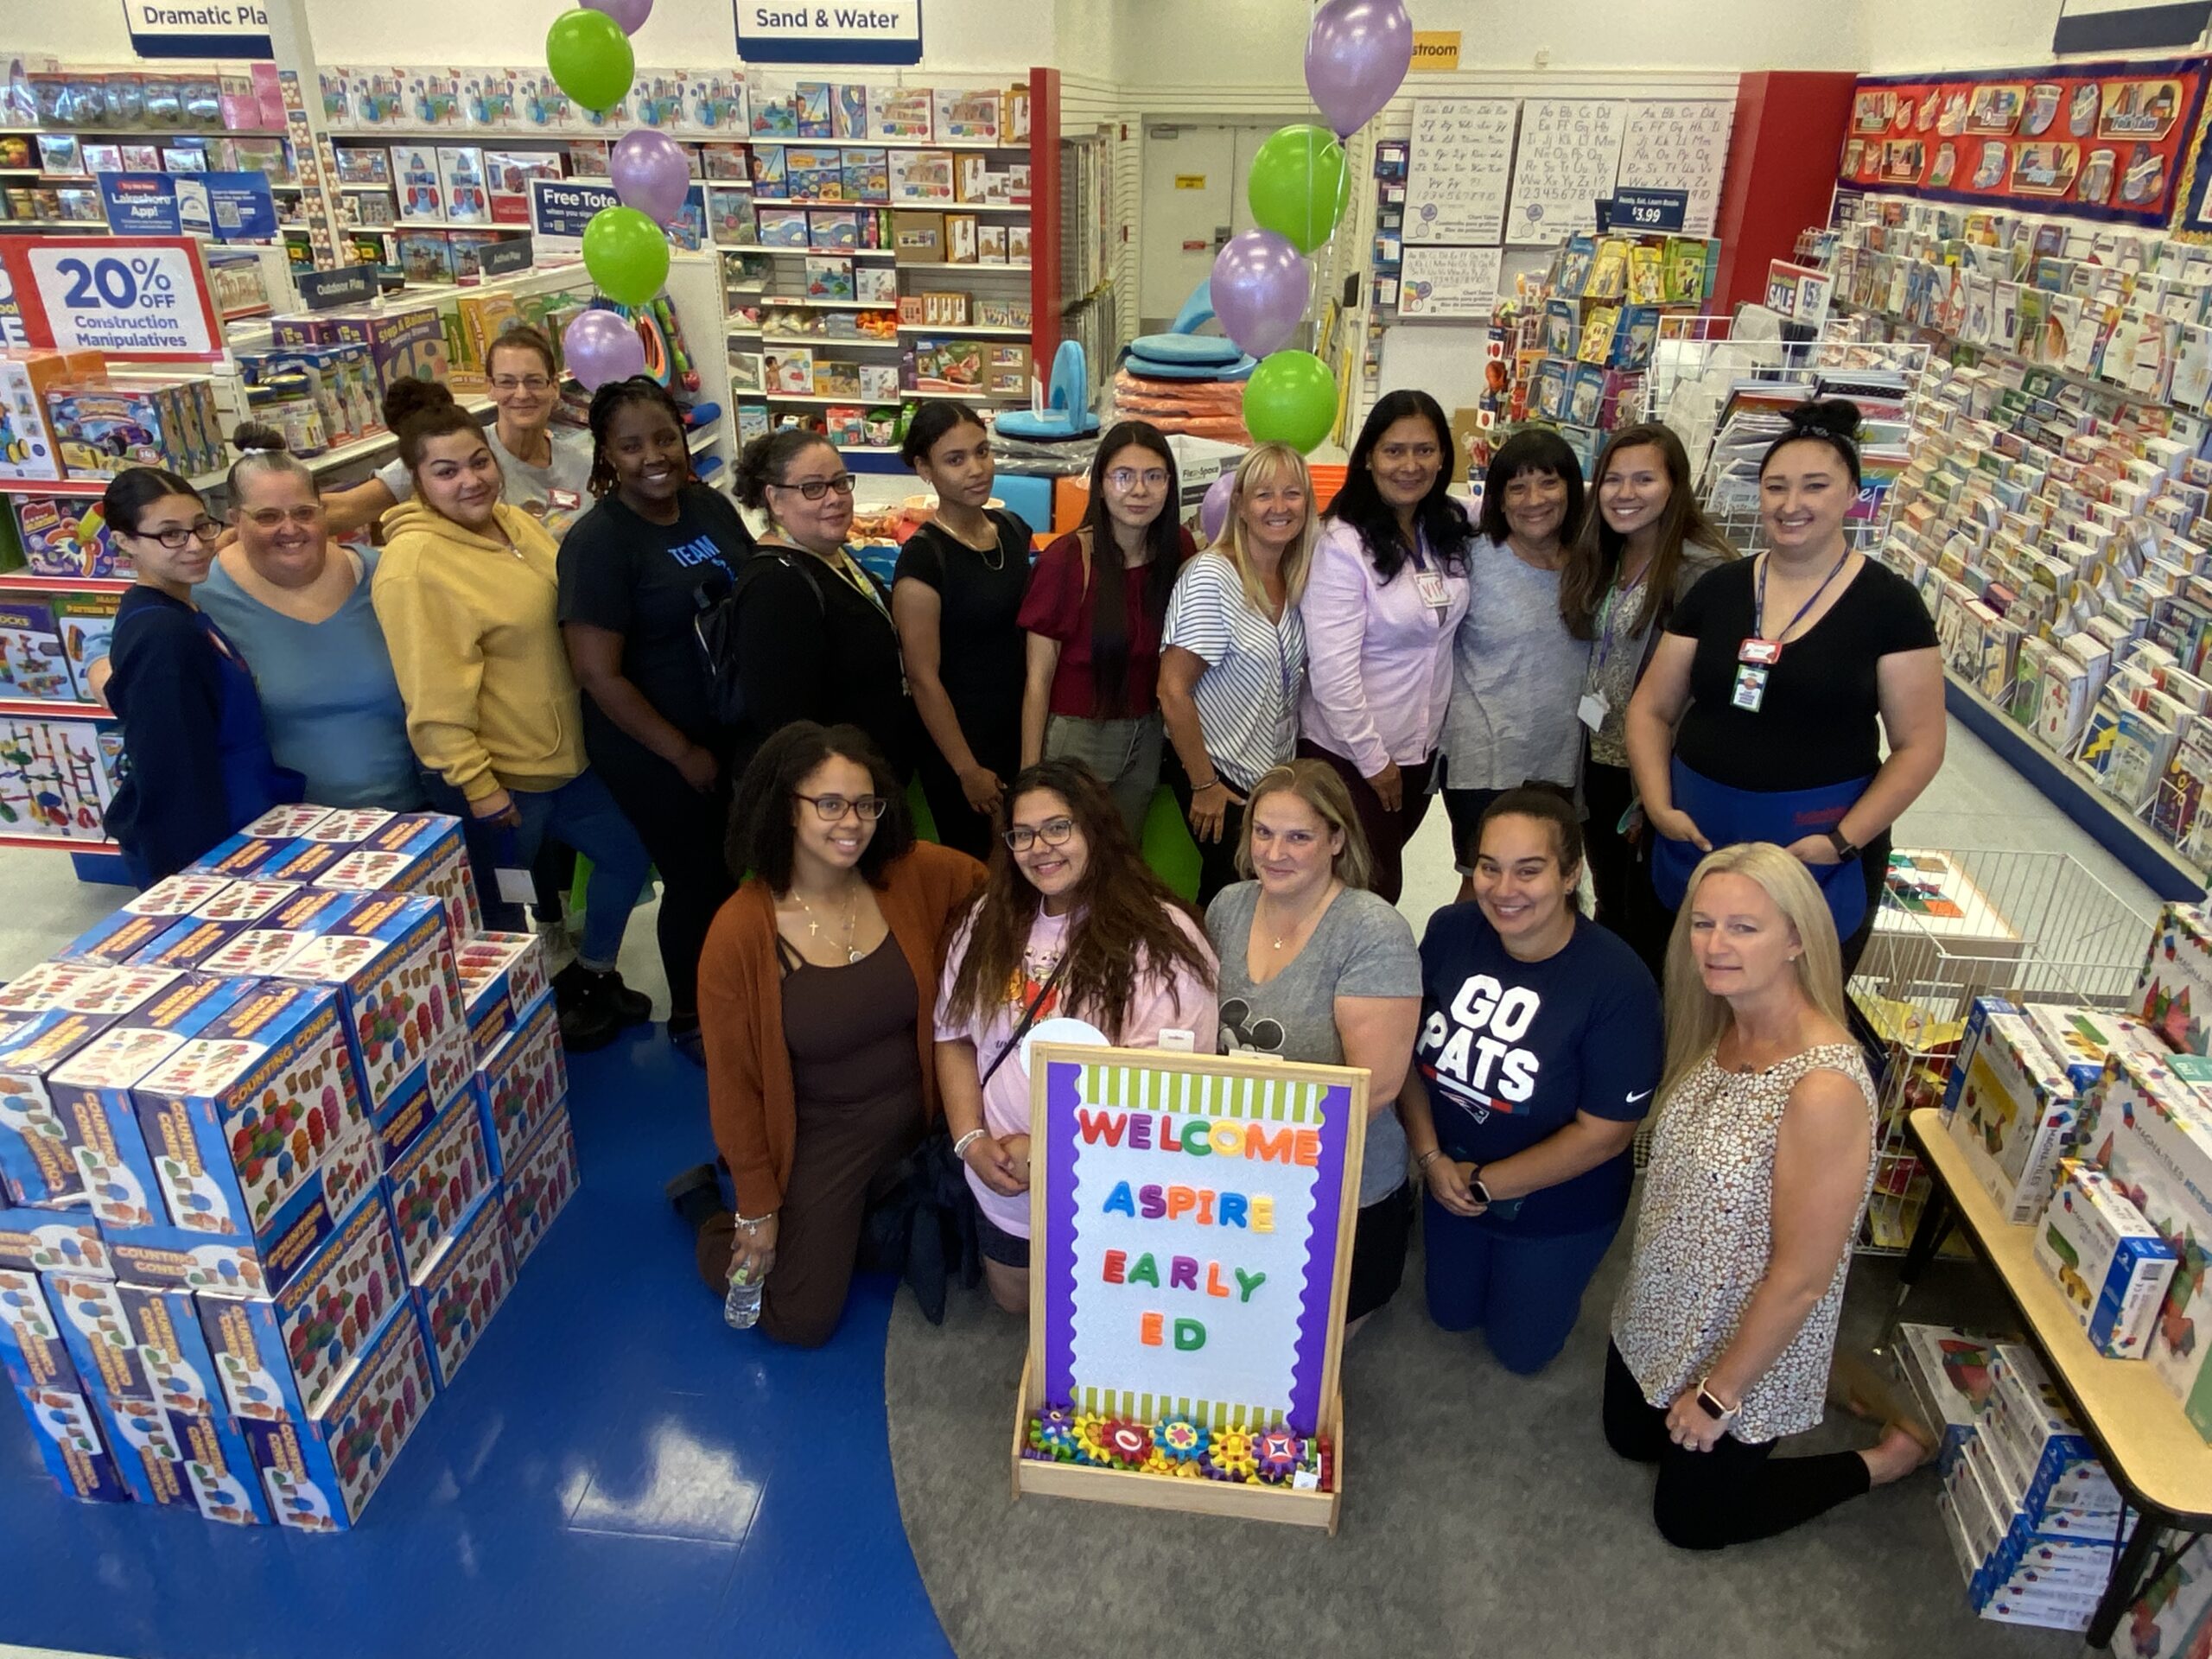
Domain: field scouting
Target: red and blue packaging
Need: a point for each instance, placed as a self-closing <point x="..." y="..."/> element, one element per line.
<point x="457" y="1299"/>
<point x="436" y="1188"/>
<point x="538" y="1186"/>
<point x="523" y="1083"/>
<point x="502" y="976"/>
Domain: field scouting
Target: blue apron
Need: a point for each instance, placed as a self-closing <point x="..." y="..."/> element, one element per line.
<point x="1727" y="816"/>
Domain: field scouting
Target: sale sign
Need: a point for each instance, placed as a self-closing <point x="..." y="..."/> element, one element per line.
<point x="141" y="299"/>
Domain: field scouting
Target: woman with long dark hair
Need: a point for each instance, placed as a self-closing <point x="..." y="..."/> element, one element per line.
<point x="1388" y="589"/>
<point x="1642" y="547"/>
<point x="1096" y="607"/>
<point x="1073" y="925"/>
<point x="635" y="572"/>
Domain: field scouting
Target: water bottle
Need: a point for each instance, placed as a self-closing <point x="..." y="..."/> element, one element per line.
<point x="741" y="1307"/>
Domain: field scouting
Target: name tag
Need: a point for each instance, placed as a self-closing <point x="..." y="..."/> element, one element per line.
<point x="1765" y="653"/>
<point x="1591" y="709"/>
<point x="564" y="500"/>
<point x="1750" y="688"/>
<point x="1429" y="584"/>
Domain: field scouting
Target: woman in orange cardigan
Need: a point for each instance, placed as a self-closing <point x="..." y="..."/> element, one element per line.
<point x="816" y="993"/>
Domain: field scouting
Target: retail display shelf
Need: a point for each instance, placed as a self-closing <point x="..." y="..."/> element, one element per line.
<point x="57" y="843"/>
<point x="31" y="709"/>
<point x="901" y="206"/>
<point x="962" y="331"/>
<point x="26" y="581"/>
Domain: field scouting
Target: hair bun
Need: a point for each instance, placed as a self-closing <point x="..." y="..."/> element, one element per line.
<point x="1833" y="418"/>
<point x="255" y="437"/>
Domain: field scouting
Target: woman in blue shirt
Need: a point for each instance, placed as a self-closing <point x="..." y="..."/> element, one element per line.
<point x="298" y="610"/>
<point x="197" y="765"/>
<point x="1541" y="1042"/>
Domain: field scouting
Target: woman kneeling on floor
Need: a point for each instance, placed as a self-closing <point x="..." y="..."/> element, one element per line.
<point x="815" y="990"/>
<point x="1762" y="1160"/>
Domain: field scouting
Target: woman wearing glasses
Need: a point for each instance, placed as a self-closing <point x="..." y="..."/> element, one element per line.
<point x="814" y="637"/>
<point x="299" y="610"/>
<point x="546" y="469"/>
<point x="815" y="991"/>
<point x="635" y="572"/>
<point x="1096" y="607"/>
<point x="199" y="764"/>
<point x="1075" y="928"/>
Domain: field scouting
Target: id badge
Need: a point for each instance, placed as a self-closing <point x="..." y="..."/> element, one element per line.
<point x="514" y="881"/>
<point x="1429" y="584"/>
<point x="1591" y="709"/>
<point x="1760" y="654"/>
<point x="564" y="500"/>
<point x="1750" y="688"/>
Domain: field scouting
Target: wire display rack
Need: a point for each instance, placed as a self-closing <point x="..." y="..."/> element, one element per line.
<point x="2027" y="926"/>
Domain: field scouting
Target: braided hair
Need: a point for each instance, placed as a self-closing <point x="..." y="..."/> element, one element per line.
<point x="609" y="401"/>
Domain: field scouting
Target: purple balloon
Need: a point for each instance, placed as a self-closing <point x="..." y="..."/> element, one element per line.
<point x="628" y="15"/>
<point x="650" y="173"/>
<point x="1259" y="288"/>
<point x="1355" y="57"/>
<point x="601" y="346"/>
<point x="1213" y="511"/>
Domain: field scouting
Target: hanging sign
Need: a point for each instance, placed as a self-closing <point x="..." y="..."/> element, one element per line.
<point x="216" y="28"/>
<point x="1436" y="51"/>
<point x="861" y="31"/>
<point x="143" y="299"/>
<point x="560" y="209"/>
<point x="228" y="207"/>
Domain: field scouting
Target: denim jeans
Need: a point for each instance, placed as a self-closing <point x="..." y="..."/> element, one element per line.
<point x="579" y="814"/>
<point x="1123" y="754"/>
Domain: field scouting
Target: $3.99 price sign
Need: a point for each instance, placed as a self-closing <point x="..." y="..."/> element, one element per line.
<point x="139" y="299"/>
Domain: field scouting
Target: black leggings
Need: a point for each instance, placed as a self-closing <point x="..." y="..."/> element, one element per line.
<point x="1217" y="859"/>
<point x="684" y="831"/>
<point x="1731" y="1495"/>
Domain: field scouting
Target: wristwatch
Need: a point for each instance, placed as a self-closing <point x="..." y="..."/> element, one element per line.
<point x="1844" y="850"/>
<point x="1709" y="1403"/>
<point x="1475" y="1185"/>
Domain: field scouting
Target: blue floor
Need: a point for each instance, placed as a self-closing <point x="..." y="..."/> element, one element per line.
<point x="614" y="1470"/>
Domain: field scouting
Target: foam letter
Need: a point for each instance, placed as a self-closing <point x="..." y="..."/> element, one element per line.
<point x="1248" y="1283"/>
<point x="1232" y="1210"/>
<point x="1119" y="1199"/>
<point x="1189" y="1335"/>
<point x="1148" y="1330"/>
<point x="1309" y="1142"/>
<point x="1141" y="1133"/>
<point x="1116" y="1260"/>
<point x="1142" y="1272"/>
<point x="1268" y="1148"/>
<point x="1167" y="1141"/>
<point x="1214" y="1287"/>
<point x="1205" y="1206"/>
<point x="1228" y="1138"/>
<point x="1095" y="1125"/>
<point x="1195" y="1141"/>
<point x="1181" y="1200"/>
<point x="1263" y="1213"/>
<point x="1154" y="1205"/>
<point x="1183" y="1273"/>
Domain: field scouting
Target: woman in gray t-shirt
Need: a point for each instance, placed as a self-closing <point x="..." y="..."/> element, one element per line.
<point x="1316" y="969"/>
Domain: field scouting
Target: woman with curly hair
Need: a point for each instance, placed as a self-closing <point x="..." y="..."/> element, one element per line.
<point x="1072" y="925"/>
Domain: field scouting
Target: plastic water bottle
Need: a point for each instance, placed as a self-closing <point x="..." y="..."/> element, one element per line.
<point x="741" y="1307"/>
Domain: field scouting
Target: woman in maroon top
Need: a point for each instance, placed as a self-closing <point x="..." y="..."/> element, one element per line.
<point x="1094" y="624"/>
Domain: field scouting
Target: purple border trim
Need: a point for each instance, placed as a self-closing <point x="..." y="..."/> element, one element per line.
<point x="1321" y="1264"/>
<point x="1061" y="1096"/>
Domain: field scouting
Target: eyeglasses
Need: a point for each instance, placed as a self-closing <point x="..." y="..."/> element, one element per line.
<point x="178" y="536"/>
<point x="1127" y="478"/>
<point x="1053" y="832"/>
<point x="306" y="517"/>
<point x="815" y="488"/>
<point x="834" y="807"/>
<point x="524" y="382"/>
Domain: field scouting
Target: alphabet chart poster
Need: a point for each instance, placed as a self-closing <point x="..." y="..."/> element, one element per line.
<point x="1679" y="143"/>
<point x="1462" y="160"/>
<point x="1195" y="1219"/>
<point x="1570" y="155"/>
<point x="1452" y="283"/>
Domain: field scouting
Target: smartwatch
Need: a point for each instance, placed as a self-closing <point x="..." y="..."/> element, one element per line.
<point x="1475" y="1186"/>
<point x="1709" y="1403"/>
<point x="1844" y="849"/>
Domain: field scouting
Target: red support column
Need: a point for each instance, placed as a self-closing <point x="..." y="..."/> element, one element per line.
<point x="1045" y="219"/>
<point x="1783" y="159"/>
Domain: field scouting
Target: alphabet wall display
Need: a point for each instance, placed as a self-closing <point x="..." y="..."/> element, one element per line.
<point x="1569" y="155"/>
<point x="1449" y="282"/>
<point x="1679" y="144"/>
<point x="1461" y="163"/>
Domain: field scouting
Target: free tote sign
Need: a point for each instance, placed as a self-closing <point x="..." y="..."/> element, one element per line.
<point x="1195" y="1218"/>
<point x="862" y="31"/>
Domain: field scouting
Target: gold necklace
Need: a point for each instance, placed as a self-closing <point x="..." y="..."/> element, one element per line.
<point x="982" y="554"/>
<point x="852" y="918"/>
<point x="1302" y="921"/>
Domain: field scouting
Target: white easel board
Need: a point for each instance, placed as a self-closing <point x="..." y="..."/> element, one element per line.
<point x="1461" y="163"/>
<point x="1449" y="282"/>
<point x="1569" y="155"/>
<point x="1679" y="145"/>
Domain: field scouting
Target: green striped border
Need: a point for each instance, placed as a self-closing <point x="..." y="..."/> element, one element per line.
<point x="1151" y="1408"/>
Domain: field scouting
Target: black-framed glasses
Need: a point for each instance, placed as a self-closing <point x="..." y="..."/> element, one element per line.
<point x="815" y="488"/>
<point x="1053" y="832"/>
<point x="178" y="536"/>
<point x="834" y="807"/>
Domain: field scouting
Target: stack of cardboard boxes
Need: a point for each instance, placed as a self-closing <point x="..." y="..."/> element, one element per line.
<point x="264" y="1186"/>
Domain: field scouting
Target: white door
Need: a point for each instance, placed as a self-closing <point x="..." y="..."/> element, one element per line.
<point x="1191" y="199"/>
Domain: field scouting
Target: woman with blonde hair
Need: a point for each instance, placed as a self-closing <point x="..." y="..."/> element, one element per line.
<point x="1761" y="1163"/>
<point x="1234" y="655"/>
<point x="1315" y="967"/>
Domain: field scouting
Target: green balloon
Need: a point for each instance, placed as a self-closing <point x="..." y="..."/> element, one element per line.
<point x="590" y="56"/>
<point x="1291" y="398"/>
<point x="627" y="255"/>
<point x="1299" y="185"/>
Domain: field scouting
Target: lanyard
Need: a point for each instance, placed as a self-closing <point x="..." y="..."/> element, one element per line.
<point x="1607" y="611"/>
<point x="857" y="580"/>
<point x="1759" y="621"/>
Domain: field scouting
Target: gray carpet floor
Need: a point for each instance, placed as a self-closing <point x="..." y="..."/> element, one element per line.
<point x="1482" y="1512"/>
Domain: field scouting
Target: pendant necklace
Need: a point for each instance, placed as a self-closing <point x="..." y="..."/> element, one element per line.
<point x="814" y="926"/>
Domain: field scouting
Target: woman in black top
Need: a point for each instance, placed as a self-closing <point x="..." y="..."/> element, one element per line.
<point x="1784" y="672"/>
<point x="634" y="571"/>
<point x="814" y="639"/>
<point x="956" y="598"/>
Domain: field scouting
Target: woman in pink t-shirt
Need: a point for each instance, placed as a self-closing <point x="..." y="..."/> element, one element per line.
<point x="1073" y="928"/>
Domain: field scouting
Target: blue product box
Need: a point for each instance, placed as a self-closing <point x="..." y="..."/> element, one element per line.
<point x="53" y="1241"/>
<point x="38" y="1165"/>
<point x="437" y="1189"/>
<point x="98" y="1336"/>
<point x="1977" y="1023"/>
<point x="287" y="1358"/>
<point x="218" y="899"/>
<point x="409" y="1115"/>
<point x="173" y="1350"/>
<point x="502" y="976"/>
<point x="170" y="1258"/>
<point x="302" y="862"/>
<point x="173" y="1461"/>
<point x="391" y="958"/>
<point x="187" y="942"/>
<point x="82" y="987"/>
<point x="459" y="1296"/>
<point x="69" y="1444"/>
<point x="32" y="1351"/>
<point x="320" y="1474"/>
<point x="522" y="1084"/>
<point x="257" y="949"/>
<point x="115" y="939"/>
<point x="538" y="1186"/>
<point x="241" y="856"/>
<point x="256" y="1128"/>
<point x="414" y="853"/>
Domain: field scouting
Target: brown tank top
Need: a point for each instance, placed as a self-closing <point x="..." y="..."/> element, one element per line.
<point x="851" y="1030"/>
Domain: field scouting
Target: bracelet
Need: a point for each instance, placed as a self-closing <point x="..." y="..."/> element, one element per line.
<point x="754" y="1223"/>
<point x="1421" y="1163"/>
<point x="960" y="1147"/>
<point x="1211" y="783"/>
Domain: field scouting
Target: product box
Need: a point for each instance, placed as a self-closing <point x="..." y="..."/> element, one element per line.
<point x="2014" y="1115"/>
<point x="2173" y="994"/>
<point x="258" y="946"/>
<point x="242" y="856"/>
<point x="187" y="942"/>
<point x="32" y="1351"/>
<point x="53" y="1241"/>
<point x="28" y="449"/>
<point x="257" y="1130"/>
<point x="409" y="343"/>
<point x="461" y="1292"/>
<point x="523" y="1083"/>
<point x="2035" y="1444"/>
<point x="33" y="667"/>
<point x="113" y="940"/>
<point x="1946" y="1370"/>
<point x="501" y="975"/>
<point x="173" y="1461"/>
<point x="37" y="1164"/>
<point x="2079" y="1039"/>
<point x="173" y="1352"/>
<point x="66" y="536"/>
<point x="83" y="988"/>
<point x="435" y="1189"/>
<point x="413" y="852"/>
<point x="539" y="1185"/>
<point x="69" y="1444"/>
<point x="2112" y="1264"/>
<point x="319" y="1474"/>
<point x="89" y="1312"/>
<point x="286" y="1358"/>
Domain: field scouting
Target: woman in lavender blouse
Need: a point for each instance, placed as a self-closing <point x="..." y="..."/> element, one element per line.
<point x="1388" y="589"/>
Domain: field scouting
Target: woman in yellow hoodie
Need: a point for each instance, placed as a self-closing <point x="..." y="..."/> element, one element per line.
<point x="466" y="594"/>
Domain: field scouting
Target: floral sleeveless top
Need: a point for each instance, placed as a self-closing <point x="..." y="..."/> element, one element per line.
<point x="1705" y="1236"/>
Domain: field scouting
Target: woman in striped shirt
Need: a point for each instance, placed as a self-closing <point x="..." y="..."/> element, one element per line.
<point x="1234" y="655"/>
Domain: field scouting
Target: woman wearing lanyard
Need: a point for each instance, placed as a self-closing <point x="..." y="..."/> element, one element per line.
<point x="1388" y="589"/>
<point x="1783" y="674"/>
<point x="814" y="639"/>
<point x="1236" y="655"/>
<point x="634" y="571"/>
<point x="1639" y="553"/>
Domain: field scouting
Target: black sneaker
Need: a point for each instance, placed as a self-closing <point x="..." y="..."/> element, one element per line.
<point x="684" y="1036"/>
<point x="589" y="1022"/>
<point x="575" y="984"/>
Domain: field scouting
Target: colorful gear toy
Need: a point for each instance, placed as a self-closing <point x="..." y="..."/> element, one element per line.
<point x="1157" y="1463"/>
<point x="1179" y="1438"/>
<point x="1090" y="1438"/>
<point x="1277" y="1453"/>
<point x="1231" y="1454"/>
<point x="1052" y="1435"/>
<point x="1129" y="1444"/>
